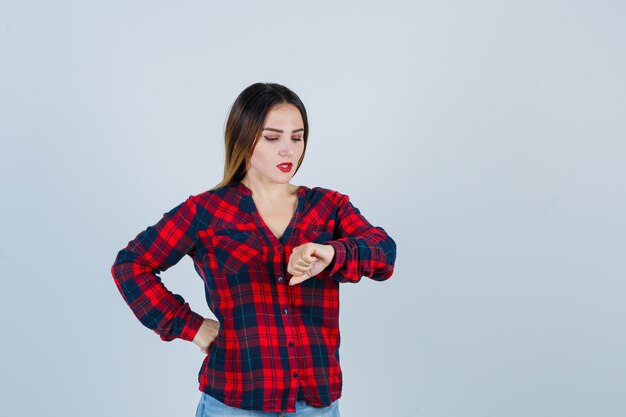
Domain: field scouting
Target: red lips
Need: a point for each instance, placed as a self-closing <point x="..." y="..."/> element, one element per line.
<point x="285" y="166"/>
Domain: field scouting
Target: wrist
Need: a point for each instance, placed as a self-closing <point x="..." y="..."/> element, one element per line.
<point x="331" y="251"/>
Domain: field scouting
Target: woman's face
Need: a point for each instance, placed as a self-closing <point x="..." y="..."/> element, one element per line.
<point x="281" y="142"/>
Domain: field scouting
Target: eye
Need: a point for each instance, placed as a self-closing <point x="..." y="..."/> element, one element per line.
<point x="296" y="139"/>
<point x="271" y="139"/>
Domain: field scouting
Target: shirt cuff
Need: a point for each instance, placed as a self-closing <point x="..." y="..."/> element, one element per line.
<point x="192" y="326"/>
<point x="338" y="260"/>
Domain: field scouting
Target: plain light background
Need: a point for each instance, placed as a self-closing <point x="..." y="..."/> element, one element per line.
<point x="486" y="137"/>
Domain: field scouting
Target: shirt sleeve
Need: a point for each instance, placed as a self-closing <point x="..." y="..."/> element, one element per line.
<point x="136" y="269"/>
<point x="361" y="249"/>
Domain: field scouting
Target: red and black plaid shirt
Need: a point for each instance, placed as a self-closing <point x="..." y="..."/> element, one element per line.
<point x="276" y="343"/>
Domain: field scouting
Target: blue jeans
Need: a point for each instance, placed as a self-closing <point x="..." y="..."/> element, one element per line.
<point x="210" y="407"/>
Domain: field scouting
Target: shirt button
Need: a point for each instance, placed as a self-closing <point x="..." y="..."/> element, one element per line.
<point x="295" y="374"/>
<point x="280" y="279"/>
<point x="290" y="343"/>
<point x="285" y="311"/>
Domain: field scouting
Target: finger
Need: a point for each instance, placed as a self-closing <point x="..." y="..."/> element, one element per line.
<point x="297" y="279"/>
<point x="303" y="263"/>
<point x="298" y="270"/>
<point x="307" y="254"/>
<point x="301" y="259"/>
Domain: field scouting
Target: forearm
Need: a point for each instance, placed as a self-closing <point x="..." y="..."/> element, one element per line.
<point x="136" y="269"/>
<point x="157" y="308"/>
<point x="372" y="255"/>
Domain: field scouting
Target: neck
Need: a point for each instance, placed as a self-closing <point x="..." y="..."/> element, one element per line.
<point x="270" y="192"/>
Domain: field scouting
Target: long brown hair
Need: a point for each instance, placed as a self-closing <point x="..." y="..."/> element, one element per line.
<point x="245" y="124"/>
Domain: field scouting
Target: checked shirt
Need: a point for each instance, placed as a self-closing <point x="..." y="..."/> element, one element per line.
<point x="276" y="343"/>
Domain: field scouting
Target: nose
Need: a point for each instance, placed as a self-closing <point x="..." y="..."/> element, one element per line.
<point x="287" y="150"/>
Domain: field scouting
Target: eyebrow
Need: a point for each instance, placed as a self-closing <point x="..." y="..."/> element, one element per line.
<point x="282" y="131"/>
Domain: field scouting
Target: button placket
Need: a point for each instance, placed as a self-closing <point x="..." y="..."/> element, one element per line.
<point x="281" y="277"/>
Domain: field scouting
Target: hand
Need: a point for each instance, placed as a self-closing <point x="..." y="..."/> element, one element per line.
<point x="309" y="260"/>
<point x="206" y="334"/>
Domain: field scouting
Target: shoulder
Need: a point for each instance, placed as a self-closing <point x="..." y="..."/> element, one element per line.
<point x="205" y="202"/>
<point x="222" y="193"/>
<point x="326" y="195"/>
<point x="326" y="191"/>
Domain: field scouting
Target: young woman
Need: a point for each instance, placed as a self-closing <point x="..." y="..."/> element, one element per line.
<point x="271" y="256"/>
